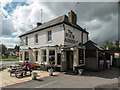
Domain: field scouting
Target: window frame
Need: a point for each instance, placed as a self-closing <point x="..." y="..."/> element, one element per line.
<point x="26" y="40"/>
<point x="53" y="56"/>
<point x="49" y="35"/>
<point x="44" y="55"/>
<point x="36" y="39"/>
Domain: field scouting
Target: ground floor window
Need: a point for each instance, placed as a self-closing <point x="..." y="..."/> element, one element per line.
<point x="36" y="53"/>
<point x="44" y="55"/>
<point x="52" y="56"/>
<point x="81" y="56"/>
<point x="26" y="56"/>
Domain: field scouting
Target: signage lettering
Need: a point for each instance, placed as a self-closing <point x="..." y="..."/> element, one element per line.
<point x="70" y="37"/>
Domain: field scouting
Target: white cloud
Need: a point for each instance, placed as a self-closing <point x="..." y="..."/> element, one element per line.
<point x="5" y="2"/>
<point x="10" y="42"/>
<point x="25" y="17"/>
<point x="22" y="19"/>
<point x="96" y="20"/>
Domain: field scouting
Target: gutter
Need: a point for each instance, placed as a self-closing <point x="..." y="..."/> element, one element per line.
<point x="55" y="25"/>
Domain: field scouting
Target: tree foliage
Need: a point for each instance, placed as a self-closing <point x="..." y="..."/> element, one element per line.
<point x="119" y="3"/>
<point x="110" y="45"/>
<point x="3" y="48"/>
<point x="16" y="49"/>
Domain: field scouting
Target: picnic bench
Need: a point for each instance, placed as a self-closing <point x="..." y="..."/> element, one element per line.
<point x="18" y="70"/>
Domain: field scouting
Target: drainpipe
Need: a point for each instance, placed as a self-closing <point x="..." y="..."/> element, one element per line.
<point x="63" y="26"/>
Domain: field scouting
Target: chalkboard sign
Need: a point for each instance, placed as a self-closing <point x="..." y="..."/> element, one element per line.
<point x="81" y="56"/>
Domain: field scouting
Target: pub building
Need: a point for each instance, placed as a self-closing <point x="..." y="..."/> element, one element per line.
<point x="59" y="40"/>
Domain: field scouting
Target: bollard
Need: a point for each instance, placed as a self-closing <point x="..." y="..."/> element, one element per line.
<point x="50" y="72"/>
<point x="34" y="75"/>
<point x="80" y="71"/>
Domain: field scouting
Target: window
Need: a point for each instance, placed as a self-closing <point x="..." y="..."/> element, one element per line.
<point x="49" y="35"/>
<point x="36" y="38"/>
<point x="52" y="56"/>
<point x="36" y="52"/>
<point x="26" y="39"/>
<point x="26" y="56"/>
<point x="44" y="55"/>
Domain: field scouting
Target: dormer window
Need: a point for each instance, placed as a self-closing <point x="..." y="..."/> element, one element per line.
<point x="26" y="41"/>
<point x="36" y="38"/>
<point x="49" y="35"/>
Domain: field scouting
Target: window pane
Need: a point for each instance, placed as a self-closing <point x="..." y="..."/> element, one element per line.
<point x="52" y="56"/>
<point x="49" y="35"/>
<point x="26" y="56"/>
<point x="44" y="55"/>
<point x="36" y="38"/>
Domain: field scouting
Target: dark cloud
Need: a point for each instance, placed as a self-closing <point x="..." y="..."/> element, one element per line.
<point x="104" y="14"/>
<point x="7" y="27"/>
<point x="99" y="18"/>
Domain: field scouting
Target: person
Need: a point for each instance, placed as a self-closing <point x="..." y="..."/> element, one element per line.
<point x="26" y="68"/>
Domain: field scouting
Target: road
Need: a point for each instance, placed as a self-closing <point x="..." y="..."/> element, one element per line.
<point x="88" y="80"/>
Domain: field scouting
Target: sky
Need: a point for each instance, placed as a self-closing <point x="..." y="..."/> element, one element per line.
<point x="100" y="19"/>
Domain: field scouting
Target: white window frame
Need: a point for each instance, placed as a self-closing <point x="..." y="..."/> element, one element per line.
<point x="48" y="36"/>
<point x="44" y="55"/>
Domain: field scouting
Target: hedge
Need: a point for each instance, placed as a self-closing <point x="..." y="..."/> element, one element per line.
<point x="116" y="62"/>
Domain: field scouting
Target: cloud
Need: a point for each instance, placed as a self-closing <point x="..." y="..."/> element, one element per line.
<point x="7" y="27"/>
<point x="9" y="41"/>
<point x="5" y="2"/>
<point x="100" y="19"/>
<point x="27" y="16"/>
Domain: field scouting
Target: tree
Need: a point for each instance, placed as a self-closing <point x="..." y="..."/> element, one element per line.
<point x="3" y="48"/>
<point x="16" y="49"/>
<point x="119" y="3"/>
<point x="110" y="45"/>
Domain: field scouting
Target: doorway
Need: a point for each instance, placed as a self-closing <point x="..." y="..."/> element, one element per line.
<point x="69" y="59"/>
<point x="59" y="59"/>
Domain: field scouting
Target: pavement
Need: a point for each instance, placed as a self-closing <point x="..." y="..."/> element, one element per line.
<point x="104" y="79"/>
<point x="7" y="80"/>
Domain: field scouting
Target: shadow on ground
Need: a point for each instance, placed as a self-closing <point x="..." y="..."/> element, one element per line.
<point x="24" y="76"/>
<point x="107" y="73"/>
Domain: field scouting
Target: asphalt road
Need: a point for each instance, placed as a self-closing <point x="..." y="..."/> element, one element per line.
<point x="88" y="80"/>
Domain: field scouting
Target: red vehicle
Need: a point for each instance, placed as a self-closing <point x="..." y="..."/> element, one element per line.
<point x="17" y="53"/>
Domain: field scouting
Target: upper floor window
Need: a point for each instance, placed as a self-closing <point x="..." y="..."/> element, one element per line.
<point x="49" y="35"/>
<point x="26" y="40"/>
<point x="36" y="38"/>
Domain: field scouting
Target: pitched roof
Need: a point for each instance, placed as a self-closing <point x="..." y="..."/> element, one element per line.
<point x="56" y="21"/>
<point x="94" y="44"/>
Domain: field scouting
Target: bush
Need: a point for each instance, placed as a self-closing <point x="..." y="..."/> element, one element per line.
<point x="116" y="62"/>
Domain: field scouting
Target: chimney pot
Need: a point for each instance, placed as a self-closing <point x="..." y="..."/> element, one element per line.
<point x="39" y="23"/>
<point x="72" y="17"/>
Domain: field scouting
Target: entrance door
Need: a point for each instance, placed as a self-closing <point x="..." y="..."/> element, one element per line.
<point x="69" y="58"/>
<point x="58" y="58"/>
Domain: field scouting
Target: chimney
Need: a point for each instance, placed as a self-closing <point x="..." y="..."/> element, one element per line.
<point x="38" y="24"/>
<point x="72" y="17"/>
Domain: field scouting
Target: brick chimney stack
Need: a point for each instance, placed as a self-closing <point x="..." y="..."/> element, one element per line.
<point x="72" y="17"/>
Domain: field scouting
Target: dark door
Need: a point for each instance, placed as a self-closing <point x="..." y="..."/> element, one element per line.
<point x="58" y="58"/>
<point x="69" y="58"/>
